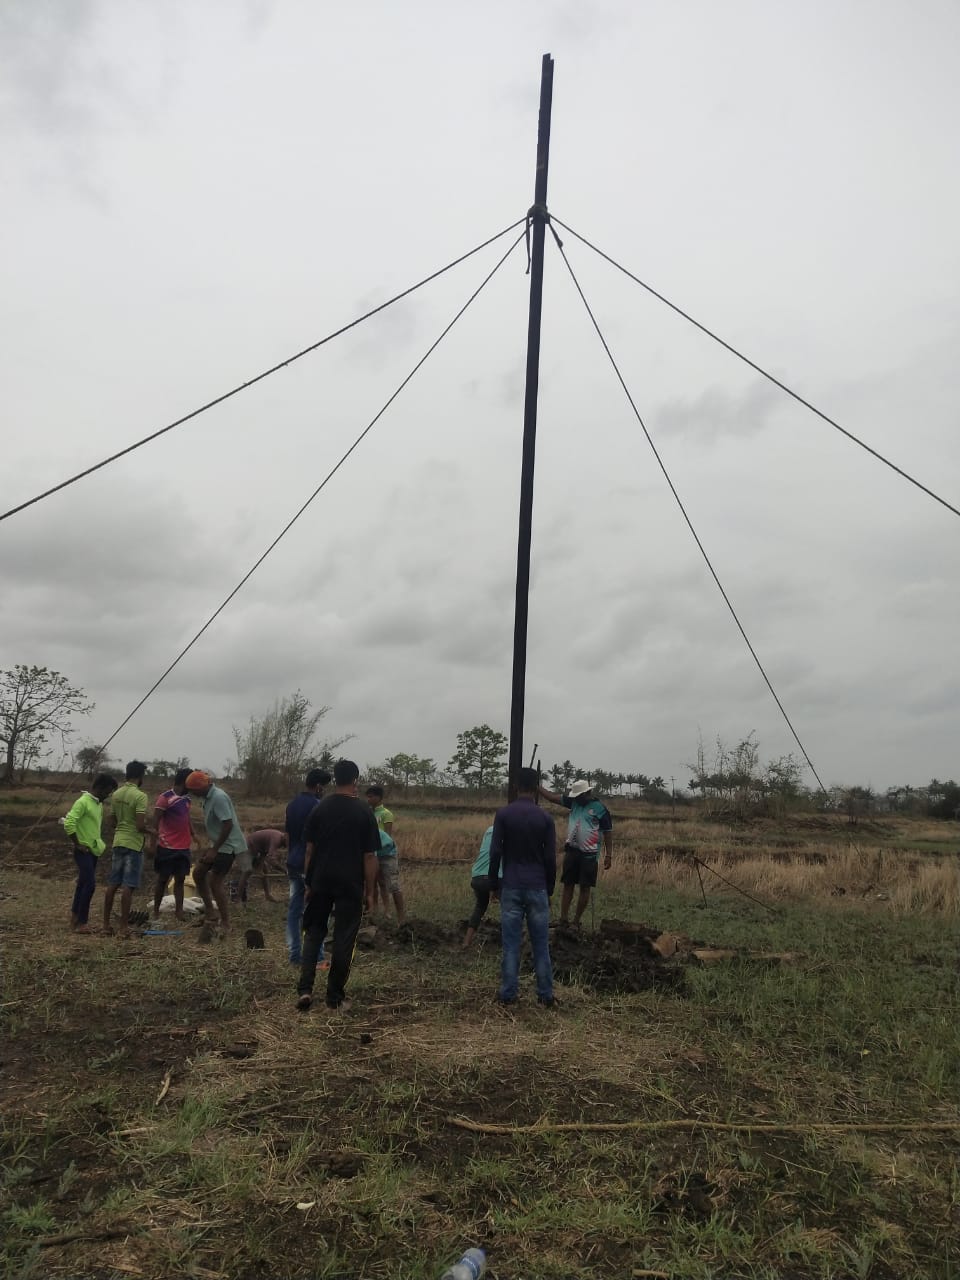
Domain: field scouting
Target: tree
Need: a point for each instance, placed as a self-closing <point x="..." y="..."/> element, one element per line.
<point x="426" y="770"/>
<point x="479" y="758"/>
<point x="561" y="776"/>
<point x="167" y="768"/>
<point x="401" y="767"/>
<point x="90" y="759"/>
<point x="35" y="703"/>
<point x="278" y="748"/>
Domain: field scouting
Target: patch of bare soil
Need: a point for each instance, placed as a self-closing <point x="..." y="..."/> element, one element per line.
<point x="614" y="960"/>
<point x="614" y="964"/>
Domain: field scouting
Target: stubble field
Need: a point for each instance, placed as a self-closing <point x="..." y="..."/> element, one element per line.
<point x="167" y="1112"/>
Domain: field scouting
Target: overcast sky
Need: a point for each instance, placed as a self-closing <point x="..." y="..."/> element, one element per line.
<point x="192" y="192"/>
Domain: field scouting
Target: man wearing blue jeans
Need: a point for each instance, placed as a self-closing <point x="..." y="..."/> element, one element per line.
<point x="298" y="810"/>
<point x="525" y="845"/>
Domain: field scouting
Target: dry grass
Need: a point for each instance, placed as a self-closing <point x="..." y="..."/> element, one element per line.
<point x="804" y="864"/>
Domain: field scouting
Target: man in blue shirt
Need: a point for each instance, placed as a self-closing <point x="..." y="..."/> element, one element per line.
<point x="524" y="843"/>
<point x="298" y="810"/>
<point x="588" y="824"/>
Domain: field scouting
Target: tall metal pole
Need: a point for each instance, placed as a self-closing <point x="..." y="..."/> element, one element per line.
<point x="538" y="220"/>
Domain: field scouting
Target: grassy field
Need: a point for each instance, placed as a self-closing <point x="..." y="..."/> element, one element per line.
<point x="168" y="1113"/>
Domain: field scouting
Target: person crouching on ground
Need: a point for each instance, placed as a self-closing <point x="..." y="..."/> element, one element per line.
<point x="83" y="824"/>
<point x="480" y="884"/>
<point x="525" y="843"/>
<point x="589" y="821"/>
<point x="172" y="838"/>
<point x="226" y="841"/>
<point x="128" y="808"/>
<point x="262" y="857"/>
<point x="342" y="839"/>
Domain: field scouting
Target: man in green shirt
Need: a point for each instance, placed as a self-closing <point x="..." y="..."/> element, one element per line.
<point x="380" y="811"/>
<point x="226" y="841"/>
<point x="388" y="865"/>
<point x="82" y="824"/>
<point x="128" y="808"/>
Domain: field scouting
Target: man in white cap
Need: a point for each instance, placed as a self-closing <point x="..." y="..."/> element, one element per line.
<point x="589" y="821"/>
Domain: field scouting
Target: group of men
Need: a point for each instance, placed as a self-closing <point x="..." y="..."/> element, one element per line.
<point x="169" y="835"/>
<point x="341" y="840"/>
<point x="226" y="860"/>
<point x="341" y="853"/>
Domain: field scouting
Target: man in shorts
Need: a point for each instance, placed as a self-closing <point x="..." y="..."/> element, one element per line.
<point x="128" y="808"/>
<point x="384" y="817"/>
<point x="382" y="814"/>
<point x="388" y="874"/>
<point x="172" y="838"/>
<point x="226" y="841"/>
<point x="588" y="824"/>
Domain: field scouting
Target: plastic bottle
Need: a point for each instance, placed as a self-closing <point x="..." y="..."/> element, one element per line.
<point x="470" y="1267"/>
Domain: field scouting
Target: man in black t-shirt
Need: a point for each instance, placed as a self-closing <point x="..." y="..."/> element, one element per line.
<point x="342" y="839"/>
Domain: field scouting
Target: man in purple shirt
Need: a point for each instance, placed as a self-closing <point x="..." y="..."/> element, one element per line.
<point x="525" y="843"/>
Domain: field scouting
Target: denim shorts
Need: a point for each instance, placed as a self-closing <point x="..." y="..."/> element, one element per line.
<point x="388" y="874"/>
<point x="126" y="869"/>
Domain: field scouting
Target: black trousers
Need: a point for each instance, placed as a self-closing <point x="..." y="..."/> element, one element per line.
<point x="347" y="901"/>
<point x="481" y="891"/>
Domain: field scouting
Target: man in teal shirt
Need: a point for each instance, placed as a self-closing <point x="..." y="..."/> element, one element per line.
<point x="226" y="841"/>
<point x="480" y="884"/>
<point x="589" y="824"/>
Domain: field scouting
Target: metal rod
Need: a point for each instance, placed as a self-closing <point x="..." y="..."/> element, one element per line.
<point x="538" y="222"/>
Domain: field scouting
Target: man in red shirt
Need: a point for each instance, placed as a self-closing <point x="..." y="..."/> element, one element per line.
<point x="172" y="837"/>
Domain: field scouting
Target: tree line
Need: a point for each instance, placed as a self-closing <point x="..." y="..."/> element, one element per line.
<point x="275" y="749"/>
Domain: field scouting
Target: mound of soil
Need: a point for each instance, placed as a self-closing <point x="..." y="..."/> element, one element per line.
<point x="423" y="935"/>
<point x="624" y="962"/>
<point x="609" y="964"/>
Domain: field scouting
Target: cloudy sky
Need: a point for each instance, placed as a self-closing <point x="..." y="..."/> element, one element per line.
<point x="192" y="192"/>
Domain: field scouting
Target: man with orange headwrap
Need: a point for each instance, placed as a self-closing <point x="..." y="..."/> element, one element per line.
<point x="226" y="841"/>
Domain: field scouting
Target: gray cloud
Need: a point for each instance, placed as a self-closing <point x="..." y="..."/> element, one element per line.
<point x="717" y="413"/>
<point x="260" y="169"/>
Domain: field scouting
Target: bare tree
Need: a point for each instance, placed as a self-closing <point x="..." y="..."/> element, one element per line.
<point x="276" y="749"/>
<point x="35" y="703"/>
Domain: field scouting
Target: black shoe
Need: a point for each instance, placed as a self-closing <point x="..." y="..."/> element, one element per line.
<point x="505" y="1004"/>
<point x="552" y="1003"/>
<point x="304" y="1002"/>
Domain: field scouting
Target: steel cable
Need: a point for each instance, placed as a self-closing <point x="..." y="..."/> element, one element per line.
<point x="243" y="386"/>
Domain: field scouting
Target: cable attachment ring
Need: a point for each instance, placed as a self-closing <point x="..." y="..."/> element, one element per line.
<point x="536" y="213"/>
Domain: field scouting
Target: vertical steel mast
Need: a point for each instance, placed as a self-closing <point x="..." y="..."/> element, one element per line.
<point x="538" y="222"/>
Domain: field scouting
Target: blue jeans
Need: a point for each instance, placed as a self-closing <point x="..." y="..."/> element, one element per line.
<point x="295" y="919"/>
<point x="534" y="905"/>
